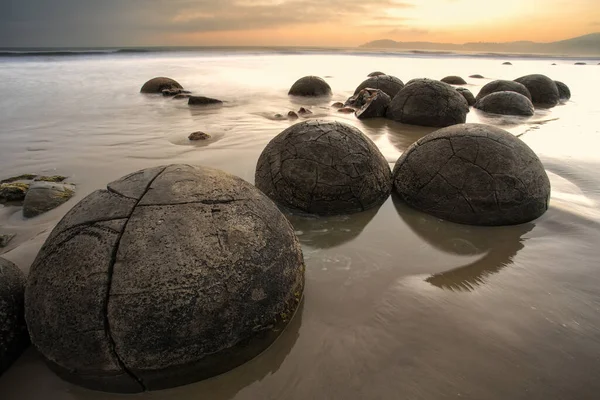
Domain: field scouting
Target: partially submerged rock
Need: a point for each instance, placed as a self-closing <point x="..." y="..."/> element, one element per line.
<point x="292" y="115"/>
<point x="506" y="103"/>
<point x="198" y="136"/>
<point x="544" y="92"/>
<point x="466" y="93"/>
<point x="45" y="196"/>
<point x="477" y="76"/>
<point x="453" y="80"/>
<point x="507" y="63"/>
<point x="13" y="331"/>
<point x="580" y="63"/>
<point x="473" y="174"/>
<point x="323" y="168"/>
<point x="13" y="192"/>
<point x="304" y="111"/>
<point x="181" y="96"/>
<point x="502" y="85"/>
<point x="337" y="104"/>
<point x="310" y="86"/>
<point x="564" y="93"/>
<point x="24" y="177"/>
<point x="173" y="275"/>
<point x="346" y="110"/>
<point x="427" y="102"/>
<point x="157" y="85"/>
<point x="52" y="178"/>
<point x="376" y="105"/>
<point x="203" y="101"/>
<point x="390" y="85"/>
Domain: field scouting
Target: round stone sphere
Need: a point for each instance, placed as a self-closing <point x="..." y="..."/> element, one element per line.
<point x="544" y="92"/>
<point x="501" y="85"/>
<point x="454" y="80"/>
<point x="172" y="275"/>
<point x="564" y="93"/>
<point x="427" y="102"/>
<point x="473" y="174"/>
<point x="310" y="86"/>
<point x="388" y="84"/>
<point x="466" y="93"/>
<point x="14" y="338"/>
<point x="157" y="85"/>
<point x="506" y="103"/>
<point x="323" y="168"/>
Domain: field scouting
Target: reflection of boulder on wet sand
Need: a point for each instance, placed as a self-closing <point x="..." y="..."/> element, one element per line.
<point x="329" y="232"/>
<point x="499" y="244"/>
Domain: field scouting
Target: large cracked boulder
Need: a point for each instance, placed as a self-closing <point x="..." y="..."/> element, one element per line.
<point x="323" y="168"/>
<point x="388" y="84"/>
<point x="172" y="275"/>
<point x="376" y="105"/>
<point x="427" y="102"/>
<point x="502" y="85"/>
<point x="544" y="92"/>
<point x="13" y="331"/>
<point x="310" y="86"/>
<point x="473" y="174"/>
<point x="506" y="103"/>
<point x="157" y="85"/>
<point x="564" y="93"/>
<point x="466" y="93"/>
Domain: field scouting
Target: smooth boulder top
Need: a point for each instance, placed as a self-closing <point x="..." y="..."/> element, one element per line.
<point x="172" y="275"/>
<point x="473" y="174"/>
<point x="323" y="168"/>
<point x="544" y="92"/>
<point x="388" y="84"/>
<point x="376" y="73"/>
<point x="427" y="102"/>
<point x="310" y="86"/>
<point x="477" y="76"/>
<point x="506" y="103"/>
<point x="157" y="85"/>
<point x="13" y="331"/>
<point x="564" y="93"/>
<point x="467" y="95"/>
<point x="45" y="196"/>
<point x="453" y="80"/>
<point x="502" y="85"/>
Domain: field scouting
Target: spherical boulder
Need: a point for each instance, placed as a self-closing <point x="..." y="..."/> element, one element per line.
<point x="467" y="95"/>
<point x="310" y="86"/>
<point x="544" y="92"/>
<point x="453" y="80"/>
<point x="506" y="103"/>
<point x="323" y="168"/>
<point x="375" y="106"/>
<point x="375" y="73"/>
<point x="172" y="275"/>
<point x="388" y="84"/>
<point x="473" y="174"/>
<point x="564" y="93"/>
<point x="157" y="85"/>
<point x="427" y="102"/>
<point x="13" y="332"/>
<point x="501" y="85"/>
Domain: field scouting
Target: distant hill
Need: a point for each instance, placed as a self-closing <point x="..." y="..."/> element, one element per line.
<point x="586" y="45"/>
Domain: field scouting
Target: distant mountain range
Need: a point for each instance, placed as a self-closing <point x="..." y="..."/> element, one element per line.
<point x="586" y="45"/>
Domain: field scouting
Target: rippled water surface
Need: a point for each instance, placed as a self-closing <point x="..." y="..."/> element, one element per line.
<point x="398" y="305"/>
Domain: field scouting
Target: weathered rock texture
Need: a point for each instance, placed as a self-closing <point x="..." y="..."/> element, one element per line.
<point x="45" y="196"/>
<point x="502" y="86"/>
<point x="427" y="102"/>
<point x="544" y="92"/>
<point x="473" y="174"/>
<point x="453" y="80"/>
<point x="564" y="93"/>
<point x="157" y="85"/>
<point x="506" y="103"/>
<point x="310" y="86"/>
<point x="466" y="93"/>
<point x="323" y="168"/>
<point x="171" y="275"/>
<point x="13" y="332"/>
<point x="386" y="83"/>
<point x="13" y="192"/>
<point x="376" y="105"/>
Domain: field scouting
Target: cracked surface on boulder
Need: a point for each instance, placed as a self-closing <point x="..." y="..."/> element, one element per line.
<point x="172" y="275"/>
<point x="473" y="174"/>
<point x="323" y="168"/>
<point x="506" y="103"/>
<point x="310" y="86"/>
<point x="544" y="92"/>
<point x="427" y="102"/>
<point x="501" y="85"/>
<point x="375" y="106"/>
<point x="388" y="84"/>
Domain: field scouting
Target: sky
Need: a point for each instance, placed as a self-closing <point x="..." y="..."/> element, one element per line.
<point x="345" y="23"/>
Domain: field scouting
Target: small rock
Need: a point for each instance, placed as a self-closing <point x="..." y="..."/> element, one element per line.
<point x="5" y="239"/>
<point x="553" y="63"/>
<point x="12" y="192"/>
<point x="24" y="177"/>
<point x="53" y="178"/>
<point x="580" y="63"/>
<point x="477" y="76"/>
<point x="346" y="110"/>
<point x="45" y="196"/>
<point x="182" y="96"/>
<point x="199" y="136"/>
<point x="292" y="115"/>
<point x="506" y="63"/>
<point x="278" y="116"/>
<point x="202" y="101"/>
<point x="453" y="80"/>
<point x="337" y="104"/>
<point x="157" y="85"/>
<point x="304" y="111"/>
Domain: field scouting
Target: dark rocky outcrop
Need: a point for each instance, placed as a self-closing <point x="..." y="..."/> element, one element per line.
<point x="507" y="63"/>
<point x="376" y="105"/>
<point x="157" y="85"/>
<point x="467" y="95"/>
<point x="310" y="86"/>
<point x="390" y="85"/>
<point x="453" y="80"/>
<point x="198" y="136"/>
<point x="292" y="115"/>
<point x="506" y="103"/>
<point x="544" y="92"/>
<point x="13" y="192"/>
<point x="203" y="101"/>
<point x="45" y="196"/>
<point x="172" y="275"/>
<point x="564" y="93"/>
<point x="501" y="85"/>
<point x="375" y="73"/>
<point x="304" y="111"/>
<point x="473" y="174"/>
<point x="427" y="102"/>
<point x="13" y="332"/>
<point x="323" y="168"/>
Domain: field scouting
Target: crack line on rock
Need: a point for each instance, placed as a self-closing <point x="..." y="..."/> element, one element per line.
<point x="113" y="191"/>
<point x="205" y="202"/>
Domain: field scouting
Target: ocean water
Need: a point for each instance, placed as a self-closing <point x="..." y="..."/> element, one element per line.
<point x="398" y="304"/>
